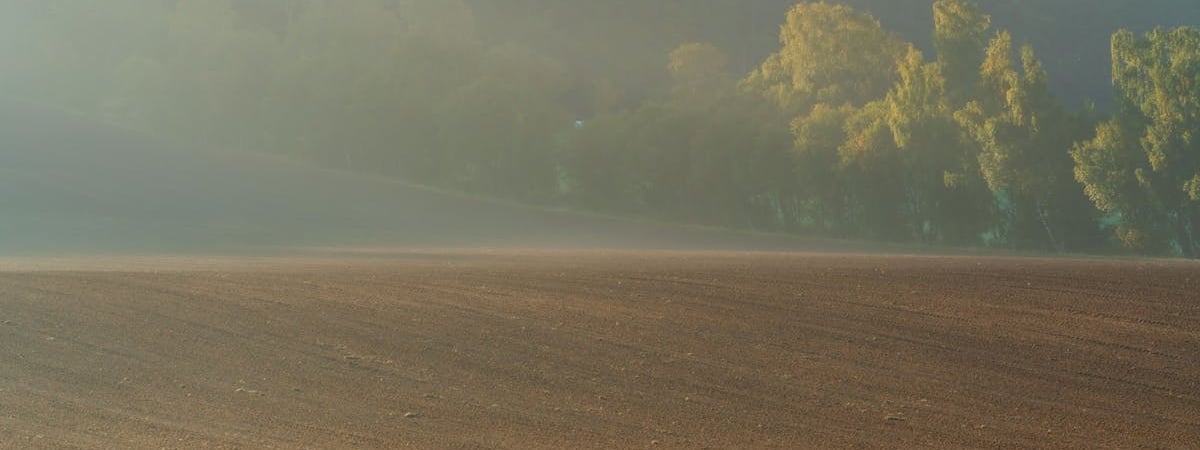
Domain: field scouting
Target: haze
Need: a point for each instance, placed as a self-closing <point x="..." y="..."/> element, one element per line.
<point x="151" y="124"/>
<point x="599" y="224"/>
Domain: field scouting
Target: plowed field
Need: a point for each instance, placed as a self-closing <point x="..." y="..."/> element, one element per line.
<point x="592" y="349"/>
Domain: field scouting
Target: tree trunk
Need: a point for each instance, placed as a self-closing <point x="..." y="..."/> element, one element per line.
<point x="1183" y="233"/>
<point x="1041" y="213"/>
<point x="1193" y="220"/>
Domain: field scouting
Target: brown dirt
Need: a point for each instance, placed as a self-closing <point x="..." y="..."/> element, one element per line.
<point x="599" y="349"/>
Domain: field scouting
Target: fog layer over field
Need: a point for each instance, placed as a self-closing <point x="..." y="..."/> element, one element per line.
<point x="70" y="185"/>
<point x="194" y="124"/>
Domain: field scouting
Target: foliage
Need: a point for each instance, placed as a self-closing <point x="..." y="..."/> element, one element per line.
<point x="1145" y="163"/>
<point x="843" y="129"/>
<point x="1024" y="138"/>
<point x="942" y="203"/>
<point x="960" y="33"/>
<point x="708" y="154"/>
<point x="830" y="54"/>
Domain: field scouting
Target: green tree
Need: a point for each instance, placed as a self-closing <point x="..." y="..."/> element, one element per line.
<point x="830" y="54"/>
<point x="497" y="133"/>
<point x="1113" y="174"/>
<point x="833" y="55"/>
<point x="1023" y="145"/>
<point x="960" y="34"/>
<point x="1145" y="164"/>
<point x="819" y="172"/>
<point x="700" y="75"/>
<point x="875" y="187"/>
<point x="601" y="165"/>
<point x="943" y="202"/>
<point x="705" y="154"/>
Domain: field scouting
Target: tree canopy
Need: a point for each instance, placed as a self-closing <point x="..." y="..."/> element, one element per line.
<point x="928" y="121"/>
<point x="1144" y="164"/>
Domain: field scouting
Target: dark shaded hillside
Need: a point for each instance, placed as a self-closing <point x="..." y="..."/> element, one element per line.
<point x="69" y="185"/>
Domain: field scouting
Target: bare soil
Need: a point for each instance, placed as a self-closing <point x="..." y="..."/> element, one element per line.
<point x="593" y="349"/>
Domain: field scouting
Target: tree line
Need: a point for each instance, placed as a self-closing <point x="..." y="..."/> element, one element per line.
<point x="845" y="130"/>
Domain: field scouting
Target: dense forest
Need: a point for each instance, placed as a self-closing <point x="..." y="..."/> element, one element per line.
<point x="945" y="122"/>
